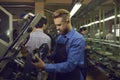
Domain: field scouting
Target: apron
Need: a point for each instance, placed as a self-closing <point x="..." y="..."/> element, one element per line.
<point x="61" y="56"/>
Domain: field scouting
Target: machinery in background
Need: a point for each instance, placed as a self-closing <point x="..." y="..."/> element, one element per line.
<point x="103" y="24"/>
<point x="105" y="56"/>
<point x="5" y="30"/>
<point x="10" y="63"/>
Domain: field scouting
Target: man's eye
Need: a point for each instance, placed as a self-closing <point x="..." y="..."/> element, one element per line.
<point x="58" y="24"/>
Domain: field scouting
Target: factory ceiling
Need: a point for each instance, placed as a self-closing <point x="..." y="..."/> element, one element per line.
<point x="52" y="5"/>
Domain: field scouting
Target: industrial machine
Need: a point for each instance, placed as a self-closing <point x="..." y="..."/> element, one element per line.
<point x="103" y="24"/>
<point x="105" y="56"/>
<point x="13" y="67"/>
<point x="5" y="30"/>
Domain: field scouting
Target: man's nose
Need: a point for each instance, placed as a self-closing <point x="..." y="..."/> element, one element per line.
<point x="57" y="28"/>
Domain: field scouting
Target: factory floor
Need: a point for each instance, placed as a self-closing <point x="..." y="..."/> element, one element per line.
<point x="95" y="74"/>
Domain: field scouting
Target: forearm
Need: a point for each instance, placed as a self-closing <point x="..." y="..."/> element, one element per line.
<point x="60" y="67"/>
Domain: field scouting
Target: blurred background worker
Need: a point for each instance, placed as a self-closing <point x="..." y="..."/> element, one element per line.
<point x="84" y="32"/>
<point x="110" y="36"/>
<point x="37" y="38"/>
<point x="84" y="69"/>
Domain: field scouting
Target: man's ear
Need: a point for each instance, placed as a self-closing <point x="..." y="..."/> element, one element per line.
<point x="68" y="20"/>
<point x="44" y="26"/>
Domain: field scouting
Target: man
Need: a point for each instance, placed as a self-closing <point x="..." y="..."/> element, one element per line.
<point x="110" y="36"/>
<point x="38" y="37"/>
<point x="83" y="30"/>
<point x="99" y="34"/>
<point x="69" y="52"/>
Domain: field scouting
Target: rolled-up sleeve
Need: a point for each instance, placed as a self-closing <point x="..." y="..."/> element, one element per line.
<point x="73" y="59"/>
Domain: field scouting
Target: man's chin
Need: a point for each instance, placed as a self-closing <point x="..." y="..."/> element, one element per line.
<point x="62" y="33"/>
<point x="58" y="32"/>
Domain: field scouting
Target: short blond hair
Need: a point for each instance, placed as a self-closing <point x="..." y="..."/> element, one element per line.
<point x="65" y="14"/>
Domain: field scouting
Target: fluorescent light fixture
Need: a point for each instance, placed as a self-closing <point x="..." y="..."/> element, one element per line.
<point x="96" y="22"/>
<point x="109" y="18"/>
<point x="103" y="20"/>
<point x="75" y="9"/>
<point x="118" y="15"/>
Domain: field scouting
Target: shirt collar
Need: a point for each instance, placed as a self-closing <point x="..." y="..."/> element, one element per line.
<point x="39" y="30"/>
<point x="70" y="33"/>
<point x="64" y="38"/>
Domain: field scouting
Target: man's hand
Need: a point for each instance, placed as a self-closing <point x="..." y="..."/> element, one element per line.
<point x="88" y="47"/>
<point x="40" y="64"/>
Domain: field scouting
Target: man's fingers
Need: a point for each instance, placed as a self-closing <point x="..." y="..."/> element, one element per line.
<point x="35" y="65"/>
<point x="37" y="57"/>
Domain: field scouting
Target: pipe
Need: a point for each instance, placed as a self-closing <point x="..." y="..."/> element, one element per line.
<point x="91" y="6"/>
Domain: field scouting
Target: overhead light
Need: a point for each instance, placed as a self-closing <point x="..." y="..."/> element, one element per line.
<point x="103" y="20"/>
<point x="109" y="18"/>
<point x="75" y="9"/>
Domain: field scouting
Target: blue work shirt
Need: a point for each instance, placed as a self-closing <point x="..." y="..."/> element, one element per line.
<point x="75" y="48"/>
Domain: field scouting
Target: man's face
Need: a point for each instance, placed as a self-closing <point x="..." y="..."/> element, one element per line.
<point x="85" y="32"/>
<point x="61" y="26"/>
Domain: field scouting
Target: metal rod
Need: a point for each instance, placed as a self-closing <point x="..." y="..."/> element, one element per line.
<point x="115" y="22"/>
<point x="104" y="28"/>
<point x="100" y="25"/>
<point x="119" y="24"/>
